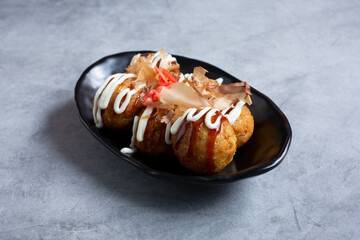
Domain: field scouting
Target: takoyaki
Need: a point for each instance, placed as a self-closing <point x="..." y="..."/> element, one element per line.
<point x="243" y="126"/>
<point x="117" y="102"/>
<point x="203" y="140"/>
<point x="191" y="116"/>
<point x="241" y="120"/>
<point x="160" y="59"/>
<point x="151" y="134"/>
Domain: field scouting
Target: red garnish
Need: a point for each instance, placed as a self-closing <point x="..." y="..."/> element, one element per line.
<point x="147" y="101"/>
<point x="165" y="84"/>
<point x="155" y="97"/>
<point x="166" y="79"/>
<point x="151" y="97"/>
<point x="159" y="89"/>
<point x="162" y="77"/>
<point x="169" y="76"/>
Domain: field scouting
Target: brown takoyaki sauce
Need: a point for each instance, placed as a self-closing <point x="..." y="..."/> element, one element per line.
<point x="137" y="99"/>
<point x="180" y="136"/>
<point x="228" y="111"/>
<point x="210" y="143"/>
<point x="154" y="135"/>
<point x="193" y="133"/>
<point x="231" y="108"/>
<point x="148" y="130"/>
<point x="194" y="128"/>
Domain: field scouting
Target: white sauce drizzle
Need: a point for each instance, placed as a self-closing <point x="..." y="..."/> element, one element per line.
<point x="132" y="148"/>
<point x="168" y="138"/>
<point x="175" y="127"/>
<point x="169" y="59"/>
<point x="189" y="115"/>
<point x="142" y="85"/>
<point x="186" y="76"/>
<point x="127" y="150"/>
<point x="135" y="58"/>
<point x="155" y="56"/>
<point x="121" y="108"/>
<point x="208" y="122"/>
<point x="155" y="59"/>
<point x="182" y="77"/>
<point x="220" y="80"/>
<point x="234" y="113"/>
<point x="142" y="124"/>
<point x="192" y="118"/>
<point x="163" y="62"/>
<point x="104" y="93"/>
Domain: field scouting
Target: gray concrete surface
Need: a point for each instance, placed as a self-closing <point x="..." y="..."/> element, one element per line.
<point x="58" y="182"/>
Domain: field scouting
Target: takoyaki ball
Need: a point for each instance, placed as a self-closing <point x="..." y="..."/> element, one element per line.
<point x="154" y="143"/>
<point x="203" y="150"/>
<point x="243" y="126"/>
<point x="168" y="63"/>
<point x="161" y="60"/>
<point x="124" y="120"/>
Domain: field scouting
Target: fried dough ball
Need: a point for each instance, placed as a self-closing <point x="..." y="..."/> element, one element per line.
<point x="159" y="59"/>
<point x="243" y="126"/>
<point x="203" y="150"/>
<point x="115" y="121"/>
<point x="154" y="143"/>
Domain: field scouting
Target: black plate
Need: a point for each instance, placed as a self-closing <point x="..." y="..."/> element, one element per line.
<point x="263" y="152"/>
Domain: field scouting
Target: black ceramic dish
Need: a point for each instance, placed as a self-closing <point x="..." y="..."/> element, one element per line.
<point x="263" y="152"/>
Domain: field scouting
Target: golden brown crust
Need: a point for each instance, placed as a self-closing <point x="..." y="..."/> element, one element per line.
<point x="122" y="121"/>
<point x="154" y="136"/>
<point x="198" y="161"/>
<point x="243" y="126"/>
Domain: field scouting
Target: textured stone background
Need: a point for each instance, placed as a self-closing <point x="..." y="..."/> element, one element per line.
<point x="58" y="182"/>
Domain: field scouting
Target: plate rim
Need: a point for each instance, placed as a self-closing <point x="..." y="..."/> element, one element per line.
<point x="199" y="179"/>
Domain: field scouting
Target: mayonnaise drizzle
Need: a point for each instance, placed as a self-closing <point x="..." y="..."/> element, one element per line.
<point x="104" y="93"/>
<point x="182" y="77"/>
<point x="121" y="108"/>
<point x="155" y="56"/>
<point x="135" y="59"/>
<point x="208" y="122"/>
<point x="163" y="62"/>
<point x="142" y="85"/>
<point x="175" y="127"/>
<point x="168" y="138"/>
<point x="189" y="115"/>
<point x="142" y="124"/>
<point x="186" y="76"/>
<point x="132" y="148"/>
<point x="219" y="80"/>
<point x="234" y="113"/>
